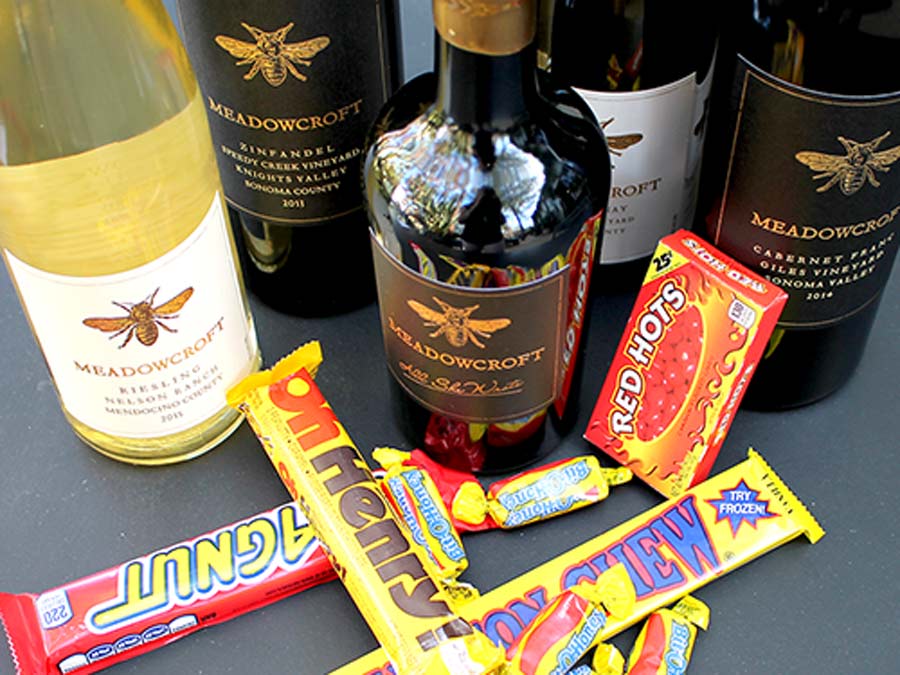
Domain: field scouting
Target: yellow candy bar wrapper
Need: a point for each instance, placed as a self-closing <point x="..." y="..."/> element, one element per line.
<point x="666" y="641"/>
<point x="568" y="627"/>
<point x="412" y="494"/>
<point x="669" y="551"/>
<point x="404" y="606"/>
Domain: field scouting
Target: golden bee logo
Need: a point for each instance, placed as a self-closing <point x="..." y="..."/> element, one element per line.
<point x="270" y="56"/>
<point x="456" y="324"/>
<point x="619" y="144"/>
<point x="143" y="319"/>
<point x="851" y="171"/>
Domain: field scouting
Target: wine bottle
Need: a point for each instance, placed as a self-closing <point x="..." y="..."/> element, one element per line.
<point x="645" y="67"/>
<point x="113" y="228"/>
<point x="804" y="185"/>
<point x="486" y="189"/>
<point x="290" y="89"/>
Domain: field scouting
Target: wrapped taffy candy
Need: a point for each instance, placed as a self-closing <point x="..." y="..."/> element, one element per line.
<point x="666" y="640"/>
<point x="527" y="497"/>
<point x="570" y="625"/>
<point x="418" y="504"/>
<point x="387" y="578"/>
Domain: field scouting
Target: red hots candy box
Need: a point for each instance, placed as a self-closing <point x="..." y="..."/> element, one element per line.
<point x="695" y="335"/>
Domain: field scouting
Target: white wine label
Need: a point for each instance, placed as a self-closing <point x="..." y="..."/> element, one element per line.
<point x="151" y="351"/>
<point x="812" y="194"/>
<point x="655" y="138"/>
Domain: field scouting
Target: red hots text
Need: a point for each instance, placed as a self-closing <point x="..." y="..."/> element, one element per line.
<point x="354" y="515"/>
<point x="649" y="330"/>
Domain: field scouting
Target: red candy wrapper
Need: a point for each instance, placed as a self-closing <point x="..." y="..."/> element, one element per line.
<point x="666" y="641"/>
<point x="697" y="330"/>
<point x="112" y="616"/>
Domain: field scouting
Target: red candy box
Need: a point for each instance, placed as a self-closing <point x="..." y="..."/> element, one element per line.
<point x="698" y="328"/>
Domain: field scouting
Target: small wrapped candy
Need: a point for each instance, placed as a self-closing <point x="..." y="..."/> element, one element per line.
<point x="527" y="497"/>
<point x="417" y="503"/>
<point x="571" y="624"/>
<point x="666" y="641"/>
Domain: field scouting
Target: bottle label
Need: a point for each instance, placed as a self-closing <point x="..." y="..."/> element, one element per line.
<point x="151" y="351"/>
<point x="290" y="90"/>
<point x="655" y="138"/>
<point x="812" y="194"/>
<point x="475" y="354"/>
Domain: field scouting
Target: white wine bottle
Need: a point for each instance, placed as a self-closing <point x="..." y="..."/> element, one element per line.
<point x="113" y="227"/>
<point x="645" y="67"/>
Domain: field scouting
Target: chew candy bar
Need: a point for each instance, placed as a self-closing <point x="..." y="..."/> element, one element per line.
<point x="669" y="551"/>
<point x="527" y="497"/>
<point x="666" y="640"/>
<point x="388" y="580"/>
<point x="141" y="605"/>
<point x="563" y="631"/>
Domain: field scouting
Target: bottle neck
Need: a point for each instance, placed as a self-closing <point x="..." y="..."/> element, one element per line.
<point x="484" y="91"/>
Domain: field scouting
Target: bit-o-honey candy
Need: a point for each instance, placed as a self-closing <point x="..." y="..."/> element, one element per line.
<point x="666" y="641"/>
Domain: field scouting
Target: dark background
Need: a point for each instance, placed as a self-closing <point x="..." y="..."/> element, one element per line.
<point x="66" y="511"/>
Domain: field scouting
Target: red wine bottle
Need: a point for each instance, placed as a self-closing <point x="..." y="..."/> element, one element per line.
<point x="486" y="189"/>
<point x="645" y="67"/>
<point x="290" y="90"/>
<point x="804" y="183"/>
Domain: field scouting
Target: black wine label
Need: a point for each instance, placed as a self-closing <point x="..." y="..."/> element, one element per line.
<point x="475" y="354"/>
<point x="812" y="194"/>
<point x="290" y="90"/>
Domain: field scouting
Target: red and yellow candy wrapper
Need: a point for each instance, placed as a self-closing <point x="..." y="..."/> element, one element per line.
<point x="387" y="578"/>
<point x="563" y="631"/>
<point x="666" y="641"/>
<point x="527" y="497"/>
<point x="141" y="605"/>
<point x="669" y="551"/>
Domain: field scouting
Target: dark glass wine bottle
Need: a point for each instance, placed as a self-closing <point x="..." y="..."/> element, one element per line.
<point x="645" y="67"/>
<point x="290" y="90"/>
<point x="486" y="190"/>
<point x="804" y="179"/>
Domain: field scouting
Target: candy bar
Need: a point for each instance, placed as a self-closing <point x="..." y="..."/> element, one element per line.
<point x="669" y="551"/>
<point x="90" y="624"/>
<point x="695" y="335"/>
<point x="387" y="578"/>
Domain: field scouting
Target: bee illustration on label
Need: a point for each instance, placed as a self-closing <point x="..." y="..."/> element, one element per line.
<point x="851" y="171"/>
<point x="143" y="320"/>
<point x="619" y="144"/>
<point x="456" y="324"/>
<point x="270" y="56"/>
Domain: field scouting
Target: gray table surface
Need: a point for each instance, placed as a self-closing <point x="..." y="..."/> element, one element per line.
<point x="66" y="511"/>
